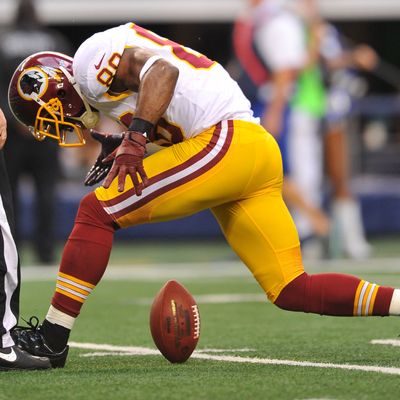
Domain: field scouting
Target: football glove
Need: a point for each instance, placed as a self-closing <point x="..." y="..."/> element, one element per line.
<point x="100" y="169"/>
<point x="128" y="160"/>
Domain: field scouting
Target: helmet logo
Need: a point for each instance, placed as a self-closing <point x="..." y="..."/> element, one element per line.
<point x="32" y="83"/>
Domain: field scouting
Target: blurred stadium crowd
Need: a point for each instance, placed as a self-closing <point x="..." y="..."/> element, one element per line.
<point x="347" y="118"/>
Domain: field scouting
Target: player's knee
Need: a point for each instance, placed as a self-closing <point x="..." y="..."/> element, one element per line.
<point x="91" y="212"/>
<point x="293" y="295"/>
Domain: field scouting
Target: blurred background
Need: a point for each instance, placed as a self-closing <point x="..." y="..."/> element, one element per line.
<point x="373" y="133"/>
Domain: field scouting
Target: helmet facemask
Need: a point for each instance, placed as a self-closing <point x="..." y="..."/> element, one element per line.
<point x="50" y="122"/>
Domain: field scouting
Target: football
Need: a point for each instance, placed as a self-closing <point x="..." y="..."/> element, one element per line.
<point x="175" y="322"/>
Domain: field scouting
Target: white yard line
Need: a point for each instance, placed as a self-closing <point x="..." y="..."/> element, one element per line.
<point x="130" y="350"/>
<point x="271" y="361"/>
<point x="391" y="342"/>
<point x="218" y="269"/>
<point x="109" y="350"/>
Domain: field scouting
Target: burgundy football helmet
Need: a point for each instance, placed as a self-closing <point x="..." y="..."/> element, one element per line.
<point x="44" y="96"/>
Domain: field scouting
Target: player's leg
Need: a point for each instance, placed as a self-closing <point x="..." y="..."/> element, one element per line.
<point x="262" y="233"/>
<point x="185" y="178"/>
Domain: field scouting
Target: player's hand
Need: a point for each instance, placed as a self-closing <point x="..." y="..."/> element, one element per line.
<point x="99" y="170"/>
<point x="128" y="160"/>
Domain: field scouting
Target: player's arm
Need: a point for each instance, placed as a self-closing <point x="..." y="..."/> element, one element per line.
<point x="3" y="129"/>
<point x="154" y="79"/>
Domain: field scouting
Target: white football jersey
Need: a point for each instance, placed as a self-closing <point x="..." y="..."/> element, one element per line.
<point x="204" y="95"/>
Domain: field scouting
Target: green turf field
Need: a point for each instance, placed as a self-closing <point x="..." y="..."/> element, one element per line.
<point x="248" y="349"/>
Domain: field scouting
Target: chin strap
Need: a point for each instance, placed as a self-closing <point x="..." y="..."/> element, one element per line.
<point x="89" y="118"/>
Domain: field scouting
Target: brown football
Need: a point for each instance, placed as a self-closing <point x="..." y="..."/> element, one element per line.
<point x="175" y="322"/>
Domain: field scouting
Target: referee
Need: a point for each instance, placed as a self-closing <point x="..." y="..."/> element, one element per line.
<point x="11" y="356"/>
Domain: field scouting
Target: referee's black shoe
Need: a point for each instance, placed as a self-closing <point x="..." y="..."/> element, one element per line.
<point x="31" y="340"/>
<point x="15" y="359"/>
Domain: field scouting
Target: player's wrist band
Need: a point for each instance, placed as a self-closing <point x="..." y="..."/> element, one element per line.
<point x="141" y="125"/>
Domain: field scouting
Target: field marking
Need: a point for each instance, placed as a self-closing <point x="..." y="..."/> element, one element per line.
<point x="391" y="342"/>
<point x="217" y="269"/>
<point x="108" y="349"/>
<point x="245" y="350"/>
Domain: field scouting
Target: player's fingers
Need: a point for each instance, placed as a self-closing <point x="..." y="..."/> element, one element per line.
<point x="110" y="177"/>
<point x="102" y="174"/>
<point x="138" y="189"/>
<point x="96" y="175"/>
<point x="143" y="175"/>
<point x="136" y="184"/>
<point x="121" y="178"/>
<point x="89" y="176"/>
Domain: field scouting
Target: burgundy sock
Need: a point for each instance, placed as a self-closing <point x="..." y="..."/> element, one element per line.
<point x="335" y="294"/>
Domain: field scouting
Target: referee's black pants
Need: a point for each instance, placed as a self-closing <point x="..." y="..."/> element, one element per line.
<point x="9" y="262"/>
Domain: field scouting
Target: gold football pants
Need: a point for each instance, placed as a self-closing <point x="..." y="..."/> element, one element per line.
<point x="234" y="169"/>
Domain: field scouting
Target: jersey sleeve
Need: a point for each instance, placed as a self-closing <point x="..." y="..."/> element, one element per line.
<point x="96" y="61"/>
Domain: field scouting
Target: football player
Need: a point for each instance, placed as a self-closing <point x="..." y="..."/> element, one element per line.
<point x="219" y="157"/>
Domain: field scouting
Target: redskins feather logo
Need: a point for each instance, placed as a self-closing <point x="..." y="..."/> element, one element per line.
<point x="32" y="83"/>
